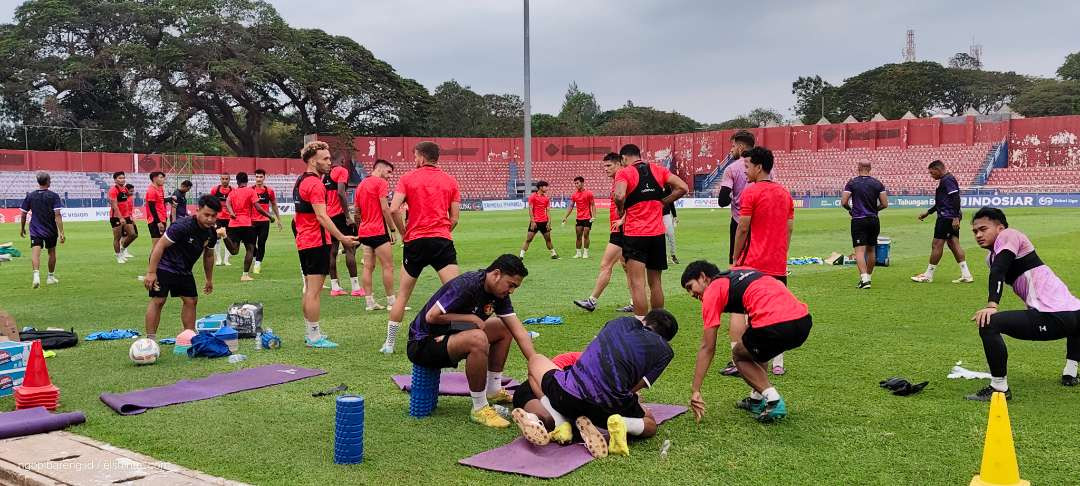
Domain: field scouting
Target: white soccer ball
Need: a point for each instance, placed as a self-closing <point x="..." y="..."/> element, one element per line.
<point x="144" y="351"/>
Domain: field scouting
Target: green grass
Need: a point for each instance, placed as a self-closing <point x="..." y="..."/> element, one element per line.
<point x="842" y="428"/>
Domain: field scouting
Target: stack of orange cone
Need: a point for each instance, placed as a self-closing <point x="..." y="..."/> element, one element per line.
<point x="37" y="389"/>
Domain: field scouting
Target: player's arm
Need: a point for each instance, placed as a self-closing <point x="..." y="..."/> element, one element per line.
<point x="724" y="198"/>
<point x="395" y="212"/>
<point x="114" y="205"/>
<point x="258" y="208"/>
<point x="277" y="212"/>
<point x="229" y="209"/>
<point x="329" y="226"/>
<point x="439" y="317"/>
<point x="342" y="188"/>
<point x="845" y="200"/>
<point x="22" y="223"/>
<point x="455" y="214"/>
<point x="569" y="209"/>
<point x="152" y="207"/>
<point x="208" y="269"/>
<point x="384" y="206"/>
<point x="883" y="200"/>
<point x="172" y="210"/>
<point x="619" y="194"/>
<point x="998" y="270"/>
<point x="954" y="203"/>
<point x="928" y="212"/>
<point x="592" y="209"/>
<point x="705" y="354"/>
<point x="521" y="336"/>
<point x="150" y="280"/>
<point x="674" y="213"/>
<point x="678" y="189"/>
<point x="742" y="234"/>
<point x="59" y="224"/>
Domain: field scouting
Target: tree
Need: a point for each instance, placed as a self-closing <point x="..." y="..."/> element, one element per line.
<point x="963" y="60"/>
<point x="457" y="112"/>
<point x="1071" y="69"/>
<point x="985" y="91"/>
<point x="544" y="125"/>
<point x="1049" y="98"/>
<point x="814" y="98"/>
<point x="579" y="110"/>
<point x="641" y="120"/>
<point x="762" y="117"/>
<point x="735" y="123"/>
<point x="504" y="115"/>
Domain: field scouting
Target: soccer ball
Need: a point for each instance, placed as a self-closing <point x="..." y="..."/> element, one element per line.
<point x="144" y="351"/>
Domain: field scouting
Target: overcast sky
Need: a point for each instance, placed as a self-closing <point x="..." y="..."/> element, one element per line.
<point x="711" y="60"/>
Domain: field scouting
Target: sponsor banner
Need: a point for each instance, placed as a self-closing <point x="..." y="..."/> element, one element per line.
<point x="1017" y="200"/>
<point x="472" y="205"/>
<point x="503" y="205"/>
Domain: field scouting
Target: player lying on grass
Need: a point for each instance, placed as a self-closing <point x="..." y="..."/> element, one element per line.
<point x="777" y="321"/>
<point x="471" y="318"/>
<point x="1052" y="311"/>
<point x="601" y="386"/>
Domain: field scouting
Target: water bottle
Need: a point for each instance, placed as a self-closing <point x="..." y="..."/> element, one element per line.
<point x="533" y="335"/>
<point x="664" y="448"/>
<point x="258" y="340"/>
<point x="236" y="358"/>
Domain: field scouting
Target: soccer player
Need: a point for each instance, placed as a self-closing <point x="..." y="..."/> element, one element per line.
<point x="863" y="197"/>
<point x="778" y="322"/>
<point x="471" y="318"/>
<point x="732" y="185"/>
<point x="156" y="212"/>
<point x="639" y="196"/>
<point x="179" y="201"/>
<point x="267" y="200"/>
<point x="583" y="200"/>
<point x="538" y="219"/>
<point x="46" y="226"/>
<point x="242" y="206"/>
<point x="671" y="220"/>
<point x="337" y="206"/>
<point x="947" y="227"/>
<point x="314" y="229"/>
<point x="221" y="255"/>
<point x="120" y="217"/>
<point x="375" y="231"/>
<point x="171" y="261"/>
<point x="600" y="387"/>
<point x="613" y="251"/>
<point x="1052" y="313"/>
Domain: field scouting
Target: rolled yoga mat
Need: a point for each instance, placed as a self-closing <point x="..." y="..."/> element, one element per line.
<point x="36" y="420"/>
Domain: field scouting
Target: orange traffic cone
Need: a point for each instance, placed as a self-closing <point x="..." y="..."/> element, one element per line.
<point x="999" y="466"/>
<point x="37" y="389"/>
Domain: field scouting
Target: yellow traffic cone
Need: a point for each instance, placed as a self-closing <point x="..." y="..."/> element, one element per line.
<point x="999" y="454"/>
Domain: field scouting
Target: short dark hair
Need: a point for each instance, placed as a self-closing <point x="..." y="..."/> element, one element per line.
<point x="744" y="137"/>
<point x="760" y="156"/>
<point x="428" y="150"/>
<point x="630" y="150"/>
<point x="383" y="162"/>
<point x="540" y="184"/>
<point x="993" y="214"/>
<point x="117" y="174"/>
<point x="663" y="323"/>
<point x="156" y="173"/>
<point x="241" y="178"/>
<point x="43" y="178"/>
<point x="260" y="172"/>
<point x="186" y="183"/>
<point x="129" y="186"/>
<point x="696" y="268"/>
<point x="612" y="156"/>
<point x="937" y="164"/>
<point x="579" y="178"/>
<point x="208" y="201"/>
<point x="509" y="265"/>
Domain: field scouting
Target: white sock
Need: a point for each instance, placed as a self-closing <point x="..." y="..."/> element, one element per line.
<point x="494" y="382"/>
<point x="313" y="332"/>
<point x="521" y="254"/>
<point x="770" y="394"/>
<point x="555" y="416"/>
<point x="594" y="299"/>
<point x="355" y="282"/>
<point x="390" y="300"/>
<point x="552" y="251"/>
<point x="120" y="253"/>
<point x="865" y="277"/>
<point x="391" y="332"/>
<point x="585" y="253"/>
<point x="640" y="318"/>
<point x="370" y="300"/>
<point x="733" y="343"/>
<point x="479" y="400"/>
<point x="964" y="271"/>
<point x="258" y="262"/>
<point x="999" y="384"/>
<point x="244" y="274"/>
<point x="634" y="426"/>
<point x="334" y="284"/>
<point x="1070" y="367"/>
<point x="754" y="395"/>
<point x="577" y="252"/>
<point x="37" y="273"/>
<point x="778" y="360"/>
<point x="50" y="274"/>
<point x="227" y="255"/>
<point x="930" y="270"/>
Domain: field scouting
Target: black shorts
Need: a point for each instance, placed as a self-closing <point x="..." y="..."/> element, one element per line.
<point x="571" y="406"/>
<point x="315" y="261"/>
<point x="116" y="222"/>
<point x="155" y="231"/>
<point x="430" y="352"/>
<point x="765" y="343"/>
<point x="617" y="239"/>
<point x="731" y="241"/>
<point x="584" y="223"/>
<point x="865" y="231"/>
<point x="374" y="242"/>
<point x="943" y="229"/>
<point x="222" y="223"/>
<point x="342" y="223"/>
<point x="648" y="250"/>
<point x="175" y="285"/>
<point x="540" y="228"/>
<point x="47" y="243"/>
<point x="242" y="234"/>
<point x="423" y="252"/>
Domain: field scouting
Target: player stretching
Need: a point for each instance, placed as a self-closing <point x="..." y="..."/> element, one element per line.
<point x="221" y="192"/>
<point x="267" y="200"/>
<point x="46" y="226"/>
<point x="585" y="203"/>
<point x="314" y="228"/>
<point x="242" y="205"/>
<point x="639" y="195"/>
<point x="123" y="227"/>
<point x="171" y="261"/>
<point x="778" y="322"/>
<point x="178" y="201"/>
<point x="434" y="203"/>
<point x="538" y="219"/>
<point x="156" y="213"/>
<point x="613" y="251"/>
<point x="863" y="197"/>
<point x="732" y="185"/>
<point x="947" y="227"/>
<point x="337" y="206"/>
<point x="372" y="218"/>
<point x="1052" y="311"/>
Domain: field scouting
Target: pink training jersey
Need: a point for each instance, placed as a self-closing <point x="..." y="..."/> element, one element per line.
<point x="1039" y="288"/>
<point x="735" y="179"/>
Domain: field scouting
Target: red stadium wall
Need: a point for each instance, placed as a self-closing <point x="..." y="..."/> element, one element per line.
<point x="1044" y="142"/>
<point x="32" y="160"/>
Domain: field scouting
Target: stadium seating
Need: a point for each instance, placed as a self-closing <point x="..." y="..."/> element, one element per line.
<point x="1035" y="179"/>
<point x="15" y="185"/>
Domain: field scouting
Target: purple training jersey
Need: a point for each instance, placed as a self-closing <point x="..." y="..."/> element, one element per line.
<point x="42" y="205"/>
<point x="465" y="294"/>
<point x="624" y="353"/>
<point x="189" y="240"/>
<point x="944" y="201"/>
<point x="1039" y="288"/>
<point x="865" y="195"/>
<point x="734" y="178"/>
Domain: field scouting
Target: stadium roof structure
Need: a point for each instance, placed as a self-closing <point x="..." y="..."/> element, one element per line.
<point x="1007" y="110"/>
<point x="908" y="116"/>
<point x="971" y="112"/>
<point x="823" y="121"/>
<point x="851" y="119"/>
<point x="879" y="117"/>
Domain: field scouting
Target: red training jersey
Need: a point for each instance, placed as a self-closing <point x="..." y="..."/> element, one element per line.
<point x="369" y="194"/>
<point x="766" y="300"/>
<point x="266" y="198"/>
<point x="222" y="193"/>
<point x="338" y="174"/>
<point x="121" y="196"/>
<point x="583" y="201"/>
<point x="567" y="359"/>
<point x="770" y="207"/>
<point x="309" y="232"/>
<point x="155" y="198"/>
<point x="429" y="192"/>
<point x="243" y="200"/>
<point x="539" y="208"/>
<point x="645" y="218"/>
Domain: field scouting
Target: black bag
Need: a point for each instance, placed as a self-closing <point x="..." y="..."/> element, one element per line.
<point x="51" y="339"/>
<point x="246" y="318"/>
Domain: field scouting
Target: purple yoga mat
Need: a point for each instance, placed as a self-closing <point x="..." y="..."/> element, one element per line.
<point x="552" y="460"/>
<point x="451" y="383"/>
<point x="36" y="420"/>
<point x="139" y="401"/>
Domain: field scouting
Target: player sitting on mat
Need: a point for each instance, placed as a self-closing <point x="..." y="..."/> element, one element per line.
<point x="600" y="387"/>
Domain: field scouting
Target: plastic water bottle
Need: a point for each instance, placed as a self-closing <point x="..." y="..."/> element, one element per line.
<point x="236" y="358"/>
<point x="664" y="448"/>
<point x="258" y="340"/>
<point x="533" y="335"/>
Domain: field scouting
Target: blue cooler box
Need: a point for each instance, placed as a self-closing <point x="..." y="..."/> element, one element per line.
<point x="9" y="379"/>
<point x="884" y="246"/>
<point x="210" y="323"/>
<point x="14" y="354"/>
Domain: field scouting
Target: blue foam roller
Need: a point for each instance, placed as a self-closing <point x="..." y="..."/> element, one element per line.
<point x="349" y="430"/>
<point x="424" y="395"/>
